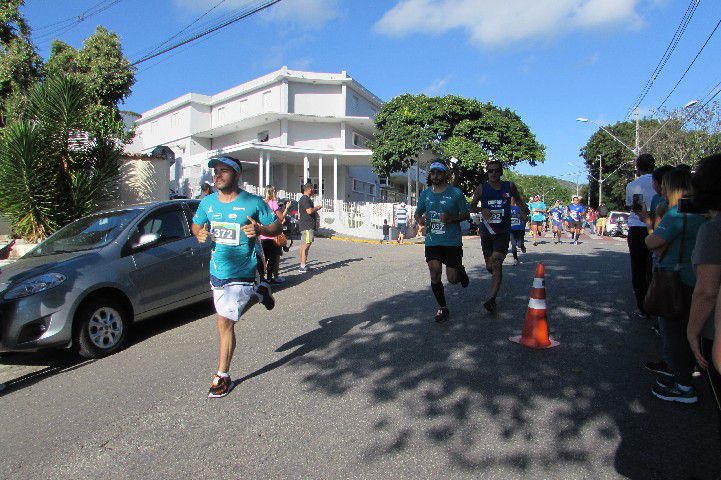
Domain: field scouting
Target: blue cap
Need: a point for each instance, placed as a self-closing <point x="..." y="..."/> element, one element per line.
<point x="438" y="166"/>
<point x="231" y="162"/>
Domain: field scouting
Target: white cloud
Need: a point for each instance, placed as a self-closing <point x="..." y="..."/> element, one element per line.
<point x="498" y="22"/>
<point x="305" y="13"/>
<point x="437" y="86"/>
<point x="589" y="60"/>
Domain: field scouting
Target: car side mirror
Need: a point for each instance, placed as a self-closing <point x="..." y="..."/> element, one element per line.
<point x="146" y="240"/>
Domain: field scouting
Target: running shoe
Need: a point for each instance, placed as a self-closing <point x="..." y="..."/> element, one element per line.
<point x="659" y="367"/>
<point x="441" y="315"/>
<point x="675" y="393"/>
<point x="267" y="295"/>
<point x="535" y="244"/>
<point x="464" y="278"/>
<point x="490" y="304"/>
<point x="302" y="269"/>
<point x="220" y="387"/>
<point x="278" y="280"/>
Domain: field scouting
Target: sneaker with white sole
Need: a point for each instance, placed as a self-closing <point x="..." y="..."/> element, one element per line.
<point x="675" y="393"/>
<point x="220" y="387"/>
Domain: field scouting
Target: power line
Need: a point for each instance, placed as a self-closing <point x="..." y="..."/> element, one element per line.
<point x="690" y="65"/>
<point x="184" y="29"/>
<point x="63" y="26"/>
<point x="680" y="30"/>
<point x="241" y="16"/>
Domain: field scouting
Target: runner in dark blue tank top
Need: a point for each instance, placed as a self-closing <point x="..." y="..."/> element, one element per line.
<point x="495" y="198"/>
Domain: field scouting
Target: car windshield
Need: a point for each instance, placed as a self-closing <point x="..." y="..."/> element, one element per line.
<point x="86" y="233"/>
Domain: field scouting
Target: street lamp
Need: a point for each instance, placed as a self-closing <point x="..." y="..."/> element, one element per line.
<point x="637" y="150"/>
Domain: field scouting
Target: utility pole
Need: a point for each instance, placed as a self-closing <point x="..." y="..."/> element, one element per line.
<point x="637" y="150"/>
<point x="600" y="179"/>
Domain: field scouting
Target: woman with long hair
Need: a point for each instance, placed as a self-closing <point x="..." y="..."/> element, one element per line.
<point x="673" y="241"/>
<point x="271" y="249"/>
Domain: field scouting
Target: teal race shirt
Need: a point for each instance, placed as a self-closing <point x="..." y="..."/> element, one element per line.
<point x="451" y="202"/>
<point x="537" y="209"/>
<point x="233" y="253"/>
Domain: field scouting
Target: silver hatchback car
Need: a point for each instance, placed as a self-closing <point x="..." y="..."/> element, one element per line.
<point x="85" y="285"/>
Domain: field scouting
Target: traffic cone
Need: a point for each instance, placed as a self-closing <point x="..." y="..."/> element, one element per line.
<point x="535" y="328"/>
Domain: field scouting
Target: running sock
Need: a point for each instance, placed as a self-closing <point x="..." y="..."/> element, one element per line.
<point x="222" y="374"/>
<point x="439" y="293"/>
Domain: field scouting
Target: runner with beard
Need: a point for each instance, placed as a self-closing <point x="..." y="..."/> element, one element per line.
<point x="495" y="197"/>
<point x="441" y="208"/>
<point x="236" y="218"/>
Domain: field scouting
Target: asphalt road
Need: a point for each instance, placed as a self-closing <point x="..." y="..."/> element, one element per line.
<point x="349" y="377"/>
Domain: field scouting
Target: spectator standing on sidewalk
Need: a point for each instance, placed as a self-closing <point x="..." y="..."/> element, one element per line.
<point x="401" y="221"/>
<point x="386" y="231"/>
<point x="706" y="183"/>
<point x="639" y="193"/>
<point x="307" y="220"/>
<point x="674" y="240"/>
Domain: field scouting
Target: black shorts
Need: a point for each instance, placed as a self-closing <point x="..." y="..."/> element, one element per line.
<point x="538" y="222"/>
<point x="450" y="256"/>
<point x="577" y="224"/>
<point x="495" y="243"/>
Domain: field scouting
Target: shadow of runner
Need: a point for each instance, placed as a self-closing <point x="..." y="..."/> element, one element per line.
<point x="491" y="407"/>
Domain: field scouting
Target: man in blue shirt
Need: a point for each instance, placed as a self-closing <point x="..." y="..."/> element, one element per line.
<point x="538" y="210"/>
<point x="518" y="231"/>
<point x="576" y="212"/>
<point x="495" y="197"/>
<point x="441" y="208"/>
<point x="557" y="221"/>
<point x="236" y="219"/>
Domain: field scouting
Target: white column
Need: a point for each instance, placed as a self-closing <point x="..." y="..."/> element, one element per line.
<point x="267" y="169"/>
<point x="306" y="169"/>
<point x="260" y="171"/>
<point x="320" y="179"/>
<point x="335" y="185"/>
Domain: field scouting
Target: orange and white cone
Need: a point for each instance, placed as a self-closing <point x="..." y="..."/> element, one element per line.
<point x="535" y="328"/>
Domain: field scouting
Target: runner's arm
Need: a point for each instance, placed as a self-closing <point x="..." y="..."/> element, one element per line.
<point x="519" y="200"/>
<point x="476" y="198"/>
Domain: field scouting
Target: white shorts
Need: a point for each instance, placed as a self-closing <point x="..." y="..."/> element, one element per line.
<point x="233" y="299"/>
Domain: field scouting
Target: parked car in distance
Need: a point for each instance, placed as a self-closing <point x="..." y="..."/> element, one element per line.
<point x="617" y="224"/>
<point x="85" y="285"/>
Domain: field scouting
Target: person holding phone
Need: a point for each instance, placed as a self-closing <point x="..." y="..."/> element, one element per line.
<point x="639" y="193"/>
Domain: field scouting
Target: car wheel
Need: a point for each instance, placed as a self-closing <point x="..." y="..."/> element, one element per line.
<point x="102" y="328"/>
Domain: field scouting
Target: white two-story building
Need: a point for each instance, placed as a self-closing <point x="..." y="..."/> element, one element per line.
<point x="286" y="128"/>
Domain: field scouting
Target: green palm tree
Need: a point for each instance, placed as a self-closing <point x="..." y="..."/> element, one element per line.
<point x="56" y="164"/>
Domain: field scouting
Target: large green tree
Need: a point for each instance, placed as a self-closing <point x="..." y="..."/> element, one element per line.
<point x="673" y="140"/>
<point x="102" y="68"/>
<point x="20" y="64"/>
<point x="410" y="126"/>
<point x="550" y="189"/>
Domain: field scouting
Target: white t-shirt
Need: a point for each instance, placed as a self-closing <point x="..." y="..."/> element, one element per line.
<point x="643" y="185"/>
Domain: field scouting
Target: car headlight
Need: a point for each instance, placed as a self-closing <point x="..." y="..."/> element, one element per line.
<point x="34" y="285"/>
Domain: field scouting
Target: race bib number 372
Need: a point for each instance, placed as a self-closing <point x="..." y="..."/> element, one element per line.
<point x="226" y="233"/>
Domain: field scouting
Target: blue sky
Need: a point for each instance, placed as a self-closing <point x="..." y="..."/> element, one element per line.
<point x="549" y="60"/>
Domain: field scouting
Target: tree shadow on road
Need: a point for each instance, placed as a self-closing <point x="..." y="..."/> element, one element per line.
<point x="492" y="407"/>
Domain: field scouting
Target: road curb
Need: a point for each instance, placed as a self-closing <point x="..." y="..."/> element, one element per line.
<point x="372" y="242"/>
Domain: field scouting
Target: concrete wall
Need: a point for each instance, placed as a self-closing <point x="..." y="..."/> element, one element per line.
<point x="254" y="103"/>
<point x="143" y="180"/>
<point x="358" y="106"/>
<point x="311" y="99"/>
<point x="314" y="135"/>
<point x="248" y="135"/>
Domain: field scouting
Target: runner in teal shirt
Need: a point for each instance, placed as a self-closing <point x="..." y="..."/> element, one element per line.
<point x="452" y="202"/>
<point x="234" y="255"/>
<point x="441" y="209"/>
